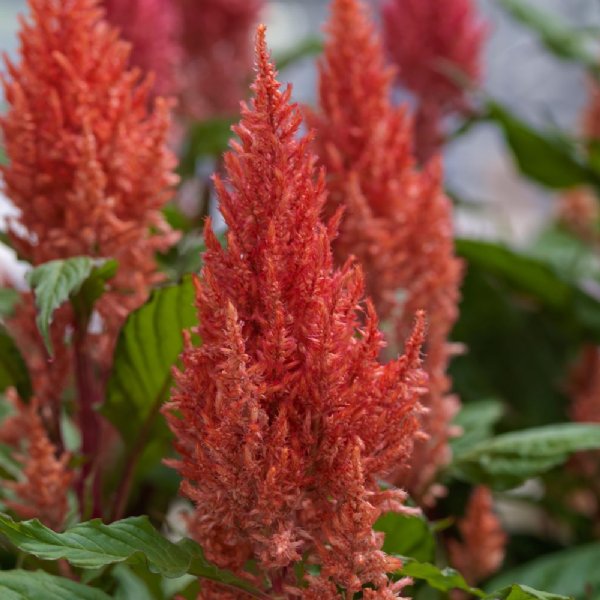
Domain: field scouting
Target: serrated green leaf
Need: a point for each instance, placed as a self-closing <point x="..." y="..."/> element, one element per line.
<point x="133" y="541"/>
<point x="441" y="579"/>
<point x="509" y="459"/>
<point x="148" y="347"/>
<point x="476" y="420"/>
<point x="38" y="585"/>
<point x="523" y="592"/>
<point x="407" y="536"/>
<point x="542" y="157"/>
<point x="13" y="370"/>
<point x="54" y="282"/>
<point x="572" y="572"/>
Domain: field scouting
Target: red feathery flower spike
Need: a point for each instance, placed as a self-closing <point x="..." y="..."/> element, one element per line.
<point x="46" y="478"/>
<point x="89" y="168"/>
<point x="152" y="27"/>
<point x="217" y="63"/>
<point x="397" y="220"/>
<point x="481" y="552"/>
<point x="437" y="46"/>
<point x="284" y="417"/>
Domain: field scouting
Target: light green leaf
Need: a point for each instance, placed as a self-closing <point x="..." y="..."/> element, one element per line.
<point x="306" y="48"/>
<point x="444" y="579"/>
<point x="148" y="347"/>
<point x="476" y="420"/>
<point x="129" y="585"/>
<point x="133" y="541"/>
<point x="13" y="370"/>
<point x="564" y="42"/>
<point x="523" y="592"/>
<point x="509" y="459"/>
<point x="54" y="282"/>
<point x="407" y="536"/>
<point x="208" y="138"/>
<point x="35" y="585"/>
<point x="572" y="572"/>
<point x="545" y="158"/>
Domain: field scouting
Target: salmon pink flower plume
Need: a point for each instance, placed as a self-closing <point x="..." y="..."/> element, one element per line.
<point x="217" y="63"/>
<point x="41" y="493"/>
<point x="89" y="168"/>
<point x="397" y="220"/>
<point x="437" y="47"/>
<point x="152" y="27"/>
<point x="481" y="552"/>
<point x="284" y="418"/>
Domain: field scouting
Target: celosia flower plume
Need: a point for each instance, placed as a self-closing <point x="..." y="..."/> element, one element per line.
<point x="89" y="169"/>
<point x="284" y="417"/>
<point x="41" y="493"/>
<point x="481" y="552"/>
<point x="152" y="27"/>
<point x="437" y="47"/>
<point x="397" y="220"/>
<point x="217" y="62"/>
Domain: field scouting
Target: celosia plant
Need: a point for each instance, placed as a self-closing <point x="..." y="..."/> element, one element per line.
<point x="217" y="61"/>
<point x="284" y="417"/>
<point x="152" y="27"/>
<point x="89" y="168"/>
<point x="438" y="51"/>
<point x="481" y="551"/>
<point x="397" y="220"/>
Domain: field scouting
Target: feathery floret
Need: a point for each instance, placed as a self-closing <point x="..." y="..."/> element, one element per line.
<point x="152" y="27"/>
<point x="284" y="417"/>
<point x="397" y="220"/>
<point x="217" y="44"/>
<point x="437" y="47"/>
<point x="42" y="491"/>
<point x="481" y="552"/>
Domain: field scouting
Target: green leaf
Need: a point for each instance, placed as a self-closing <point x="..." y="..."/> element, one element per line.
<point x="306" y="48"/>
<point x="538" y="279"/>
<point x="546" y="159"/>
<point x="8" y="300"/>
<point x="148" y="347"/>
<point x="509" y="459"/>
<point x="476" y="420"/>
<point x="572" y="572"/>
<point x="35" y="585"/>
<point x="523" y="592"/>
<point x="564" y="42"/>
<point x="407" y="536"/>
<point x="206" y="139"/>
<point x="129" y="585"/>
<point x="443" y="580"/>
<point x="54" y="282"/>
<point x="132" y="541"/>
<point x="13" y="370"/>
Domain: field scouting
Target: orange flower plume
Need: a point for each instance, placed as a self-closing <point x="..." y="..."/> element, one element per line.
<point x="438" y="50"/>
<point x="41" y="493"/>
<point x="89" y="169"/>
<point x="481" y="552"/>
<point x="284" y="418"/>
<point x="397" y="220"/>
<point x="152" y="27"/>
<point x="217" y="61"/>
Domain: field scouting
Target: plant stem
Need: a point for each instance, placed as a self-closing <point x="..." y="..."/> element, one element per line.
<point x="89" y="397"/>
<point x="133" y="456"/>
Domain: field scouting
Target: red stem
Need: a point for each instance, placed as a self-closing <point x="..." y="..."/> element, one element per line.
<point x="88" y="395"/>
